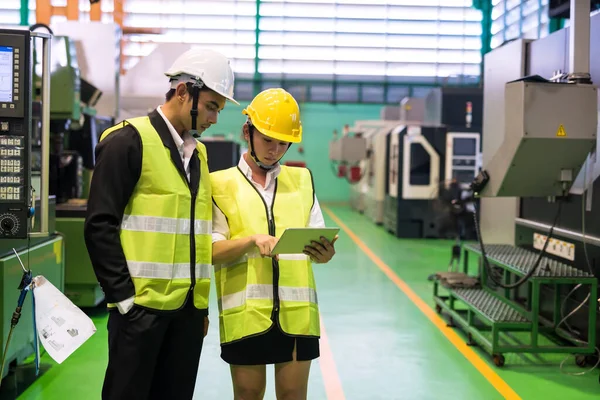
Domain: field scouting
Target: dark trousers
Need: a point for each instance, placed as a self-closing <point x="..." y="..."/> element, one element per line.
<point x="153" y="355"/>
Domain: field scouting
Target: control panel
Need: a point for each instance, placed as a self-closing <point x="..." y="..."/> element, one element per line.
<point x="463" y="156"/>
<point x="15" y="125"/>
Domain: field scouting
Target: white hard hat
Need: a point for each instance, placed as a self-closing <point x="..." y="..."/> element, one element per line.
<point x="212" y="67"/>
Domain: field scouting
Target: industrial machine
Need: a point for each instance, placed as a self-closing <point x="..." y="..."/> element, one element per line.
<point x="368" y="140"/>
<point x="412" y="109"/>
<point x="536" y="275"/>
<point x="26" y="216"/>
<point x="222" y="154"/>
<point x="455" y="107"/>
<point x="399" y="168"/>
<point x="460" y="110"/>
<point x="368" y="190"/>
<point x="347" y="154"/>
<point x="373" y="184"/>
<point x="414" y="166"/>
<point x="463" y="160"/>
<point x="425" y="159"/>
<point x="84" y="102"/>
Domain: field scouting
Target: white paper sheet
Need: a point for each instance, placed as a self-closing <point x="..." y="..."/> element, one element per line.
<point x="62" y="327"/>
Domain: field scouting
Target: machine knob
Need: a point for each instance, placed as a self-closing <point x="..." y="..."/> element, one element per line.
<point x="7" y="224"/>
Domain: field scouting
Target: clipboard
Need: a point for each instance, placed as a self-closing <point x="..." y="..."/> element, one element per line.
<point x="293" y="240"/>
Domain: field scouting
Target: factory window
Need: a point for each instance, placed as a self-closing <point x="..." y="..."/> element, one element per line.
<point x="513" y="19"/>
<point x="327" y="50"/>
<point x="383" y="43"/>
<point x="227" y="26"/>
<point x="10" y="15"/>
<point x="323" y="50"/>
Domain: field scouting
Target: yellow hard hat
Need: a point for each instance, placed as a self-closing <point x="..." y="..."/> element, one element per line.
<point x="276" y="114"/>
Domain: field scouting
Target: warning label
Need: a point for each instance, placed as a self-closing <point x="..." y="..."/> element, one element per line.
<point x="561" y="131"/>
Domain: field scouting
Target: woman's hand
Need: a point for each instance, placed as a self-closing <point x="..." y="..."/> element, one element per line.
<point x="265" y="244"/>
<point x="227" y="251"/>
<point x="321" y="252"/>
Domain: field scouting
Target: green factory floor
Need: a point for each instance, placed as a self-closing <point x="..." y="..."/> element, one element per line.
<point x="382" y="339"/>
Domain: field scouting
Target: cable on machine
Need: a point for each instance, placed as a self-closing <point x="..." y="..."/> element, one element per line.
<point x="476" y="186"/>
<point x="534" y="268"/>
<point x="580" y="360"/>
<point x="27" y="284"/>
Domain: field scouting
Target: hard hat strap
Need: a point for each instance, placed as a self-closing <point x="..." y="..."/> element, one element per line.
<point x="194" y="111"/>
<point x="253" y="154"/>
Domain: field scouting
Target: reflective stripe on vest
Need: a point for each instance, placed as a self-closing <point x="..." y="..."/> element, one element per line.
<point x="157" y="225"/>
<point x="180" y="226"/>
<point x="247" y="288"/>
<point x="254" y="254"/>
<point x="139" y="269"/>
<point x="265" y="292"/>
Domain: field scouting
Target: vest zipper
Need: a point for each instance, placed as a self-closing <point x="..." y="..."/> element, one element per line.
<point x="194" y="193"/>
<point x="275" y="263"/>
<point x="272" y="229"/>
<point x="193" y="242"/>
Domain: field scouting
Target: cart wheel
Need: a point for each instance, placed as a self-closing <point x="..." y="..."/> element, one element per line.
<point x="498" y="360"/>
<point x="438" y="309"/>
<point x="581" y="360"/>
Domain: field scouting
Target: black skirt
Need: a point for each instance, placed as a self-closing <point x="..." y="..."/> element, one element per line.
<point x="271" y="347"/>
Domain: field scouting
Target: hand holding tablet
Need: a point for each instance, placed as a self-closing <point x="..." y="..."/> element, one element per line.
<point x="295" y="240"/>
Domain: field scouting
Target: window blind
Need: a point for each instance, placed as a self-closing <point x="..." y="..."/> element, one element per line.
<point x="512" y="19"/>
<point x="394" y="38"/>
<point x="349" y="50"/>
<point x="10" y="13"/>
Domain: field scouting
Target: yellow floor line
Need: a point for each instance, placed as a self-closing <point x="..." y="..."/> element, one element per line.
<point x="331" y="379"/>
<point x="501" y="386"/>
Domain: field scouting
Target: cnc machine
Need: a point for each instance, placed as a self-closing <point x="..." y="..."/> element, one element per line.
<point x="536" y="279"/>
<point x="26" y="217"/>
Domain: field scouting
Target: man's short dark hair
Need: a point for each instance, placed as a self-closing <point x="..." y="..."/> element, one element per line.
<point x="169" y="95"/>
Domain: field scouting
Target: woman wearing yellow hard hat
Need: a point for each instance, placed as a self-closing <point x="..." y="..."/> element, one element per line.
<point x="268" y="312"/>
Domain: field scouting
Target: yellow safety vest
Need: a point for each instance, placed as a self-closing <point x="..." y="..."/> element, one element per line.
<point x="158" y="230"/>
<point x="250" y="289"/>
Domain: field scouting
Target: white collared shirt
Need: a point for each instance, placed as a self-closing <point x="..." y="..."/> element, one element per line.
<point x="220" y="227"/>
<point x="185" y="145"/>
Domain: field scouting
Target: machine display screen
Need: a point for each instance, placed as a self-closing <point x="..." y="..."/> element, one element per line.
<point x="464" y="147"/>
<point x="6" y="74"/>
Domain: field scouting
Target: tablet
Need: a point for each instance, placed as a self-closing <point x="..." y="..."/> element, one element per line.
<point x="293" y="240"/>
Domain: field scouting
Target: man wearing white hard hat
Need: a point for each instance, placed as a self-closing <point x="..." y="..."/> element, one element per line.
<point x="148" y="233"/>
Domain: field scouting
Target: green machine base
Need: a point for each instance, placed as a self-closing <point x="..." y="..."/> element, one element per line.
<point x="84" y="295"/>
<point x="486" y="313"/>
<point x="45" y="257"/>
<point x="81" y="285"/>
